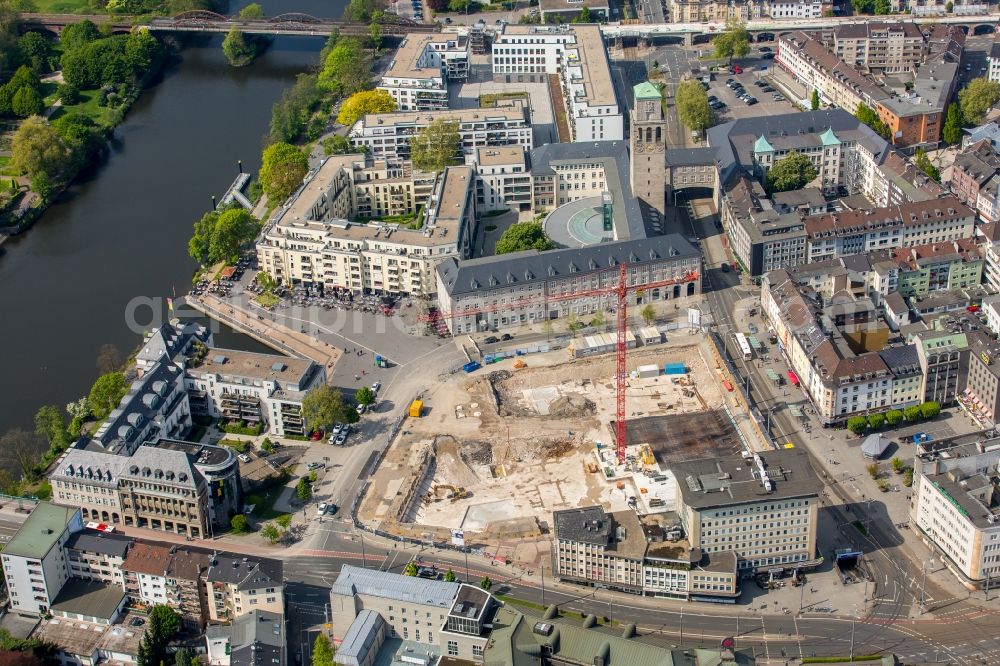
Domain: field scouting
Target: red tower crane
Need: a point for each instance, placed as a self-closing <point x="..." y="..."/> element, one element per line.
<point x="620" y="291"/>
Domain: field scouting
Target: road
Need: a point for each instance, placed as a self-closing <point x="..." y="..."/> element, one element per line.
<point x="769" y="636"/>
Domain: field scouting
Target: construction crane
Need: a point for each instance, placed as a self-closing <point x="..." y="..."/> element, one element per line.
<point x="620" y="291"/>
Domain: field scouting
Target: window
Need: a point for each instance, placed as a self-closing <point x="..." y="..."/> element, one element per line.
<point x="452" y="648"/>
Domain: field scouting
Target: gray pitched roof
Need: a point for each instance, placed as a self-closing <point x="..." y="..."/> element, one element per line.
<point x="247" y="573"/>
<point x="97" y="467"/>
<point x="125" y="425"/>
<point x="901" y="359"/>
<point x="359" y="642"/>
<point x="91" y="541"/>
<point x="257" y="638"/>
<point x="161" y="465"/>
<point x="532" y="266"/>
<point x="626" y="212"/>
<point x="355" y="580"/>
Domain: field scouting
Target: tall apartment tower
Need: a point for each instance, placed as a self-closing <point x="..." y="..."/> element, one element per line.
<point x="649" y="129"/>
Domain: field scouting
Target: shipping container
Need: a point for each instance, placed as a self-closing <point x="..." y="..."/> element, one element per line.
<point x="471" y="366"/>
<point x="647" y="371"/>
<point x="675" y="369"/>
<point x="417" y="409"/>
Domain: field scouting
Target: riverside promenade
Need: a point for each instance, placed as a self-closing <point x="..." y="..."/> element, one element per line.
<point x="271" y="333"/>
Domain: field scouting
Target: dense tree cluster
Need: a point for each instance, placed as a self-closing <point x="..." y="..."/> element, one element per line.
<point x="436" y="146"/>
<point x="866" y="115"/>
<point x="290" y="115"/>
<point x="282" y="169"/>
<point x="734" y="42"/>
<point x="324" y="405"/>
<point x="977" y="97"/>
<point x="91" y="60"/>
<point x="523" y="236"/>
<point x="692" y="106"/>
<point x="791" y="173"/>
<point x="219" y="235"/>
<point x="361" y="103"/>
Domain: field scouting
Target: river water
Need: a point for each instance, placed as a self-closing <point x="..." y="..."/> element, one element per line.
<point x="120" y="234"/>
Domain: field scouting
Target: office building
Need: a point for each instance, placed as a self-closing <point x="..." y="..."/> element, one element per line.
<point x="35" y="565"/>
<point x="736" y="504"/>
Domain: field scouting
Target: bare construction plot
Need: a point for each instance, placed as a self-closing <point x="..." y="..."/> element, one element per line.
<point x="500" y="450"/>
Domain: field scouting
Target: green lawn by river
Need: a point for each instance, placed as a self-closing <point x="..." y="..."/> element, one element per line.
<point x="88" y="106"/>
<point x="63" y="6"/>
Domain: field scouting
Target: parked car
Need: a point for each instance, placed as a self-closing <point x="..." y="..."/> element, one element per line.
<point x="319" y="464"/>
<point x="760" y="82"/>
<point x="506" y="336"/>
<point x="779" y="98"/>
<point x="376" y="386"/>
<point x="337" y="427"/>
<point x="765" y="49"/>
<point x="768" y="56"/>
<point x="725" y="268"/>
<point x="491" y="340"/>
<point x="244" y="458"/>
<point x="362" y="409"/>
<point x="712" y="98"/>
<point x="737" y="69"/>
<point x="341" y="438"/>
<point x="751" y="101"/>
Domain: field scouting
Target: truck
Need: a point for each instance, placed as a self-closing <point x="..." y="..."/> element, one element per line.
<point x="417" y="409"/>
<point x="471" y="366"/>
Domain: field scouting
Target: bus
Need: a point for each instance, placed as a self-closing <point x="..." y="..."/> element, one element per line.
<point x="744" y="345"/>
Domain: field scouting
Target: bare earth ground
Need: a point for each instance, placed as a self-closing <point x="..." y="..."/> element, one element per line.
<point x="499" y="450"/>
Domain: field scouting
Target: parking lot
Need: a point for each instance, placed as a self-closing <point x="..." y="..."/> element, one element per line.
<point x="770" y="100"/>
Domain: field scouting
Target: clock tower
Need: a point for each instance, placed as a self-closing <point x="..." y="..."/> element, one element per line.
<point x="648" y="136"/>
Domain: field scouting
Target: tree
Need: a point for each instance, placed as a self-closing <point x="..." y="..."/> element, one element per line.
<point x="346" y="68"/>
<point x="162" y="625"/>
<point x="364" y="102"/>
<point x="814" y="100"/>
<point x="486" y="583"/>
<point x="364" y="396"/>
<point x="876" y="421"/>
<point x="930" y="409"/>
<point x="290" y="115"/>
<point x="734" y="42"/>
<point x="303" y="490"/>
<point x="252" y="11"/>
<point x="924" y="164"/>
<point x="336" y="145"/>
<point x="323" y="406"/>
<point x="20" y="451"/>
<point x="322" y="652"/>
<point x="873" y="470"/>
<point x="106" y="393"/>
<point x="51" y="424"/>
<point x="68" y="94"/>
<point x="410" y="569"/>
<point x="109" y="358"/>
<point x="792" y="172"/>
<point x="435" y="146"/>
<point x="894" y="417"/>
<point x="863" y="6"/>
<point x="952" y="130"/>
<point x="234" y="228"/>
<point x="282" y="169"/>
<point x="199" y="246"/>
<point x="647" y="313"/>
<point x="75" y="35"/>
<point x="523" y="236"/>
<point x="865" y="114"/>
<point x="38" y="148"/>
<point x="977" y="97"/>
<point x="36" y="51"/>
<point x="375" y="35"/>
<point x="238" y="48"/>
<point x="184" y="658"/>
<point x="857" y="424"/>
<point x="449" y="576"/>
<point x="912" y="413"/>
<point x="284" y="520"/>
<point x="584" y="16"/>
<point x="271" y="532"/>
<point x="882" y="7"/>
<point x="897" y="465"/>
<point x="239" y="524"/>
<point x="267" y="446"/>
<point x="41" y="184"/>
<point x="949" y="7"/>
<point x="692" y="106"/>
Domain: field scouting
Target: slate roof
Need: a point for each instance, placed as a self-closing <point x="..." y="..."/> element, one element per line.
<point x="89" y="598"/>
<point x="678" y="157"/>
<point x="245" y="573"/>
<point x="127" y="422"/>
<point x="626" y="212"/>
<point x="901" y="360"/>
<point x="257" y="638"/>
<point x="92" y="541"/>
<point x="355" y="580"/>
<point x="532" y="266"/>
<point x="359" y="641"/>
<point x="588" y="524"/>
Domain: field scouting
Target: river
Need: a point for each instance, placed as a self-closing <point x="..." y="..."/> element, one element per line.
<point x="121" y="232"/>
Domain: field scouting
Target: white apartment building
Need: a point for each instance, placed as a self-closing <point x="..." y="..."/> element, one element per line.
<point x="527" y="287"/>
<point x="417" y="78"/>
<point x="762" y="507"/>
<point x="595" y="547"/>
<point x="503" y="179"/>
<point x="797" y="9"/>
<point x="308" y="242"/>
<point x="955" y="507"/>
<point x="34" y="561"/>
<point x="993" y="63"/>
<point x="97" y="556"/>
<point x="578" y="55"/>
<point x="387" y="135"/>
<point x="253" y="388"/>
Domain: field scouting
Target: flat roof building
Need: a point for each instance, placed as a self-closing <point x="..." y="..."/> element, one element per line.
<point x="418" y="75"/>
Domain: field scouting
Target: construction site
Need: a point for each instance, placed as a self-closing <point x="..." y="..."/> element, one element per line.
<point x="495" y="452"/>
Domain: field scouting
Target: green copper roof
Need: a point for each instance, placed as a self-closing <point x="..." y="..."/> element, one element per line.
<point x="646" y="90"/>
<point x="829" y="138"/>
<point x="761" y="145"/>
<point x="40" y="532"/>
